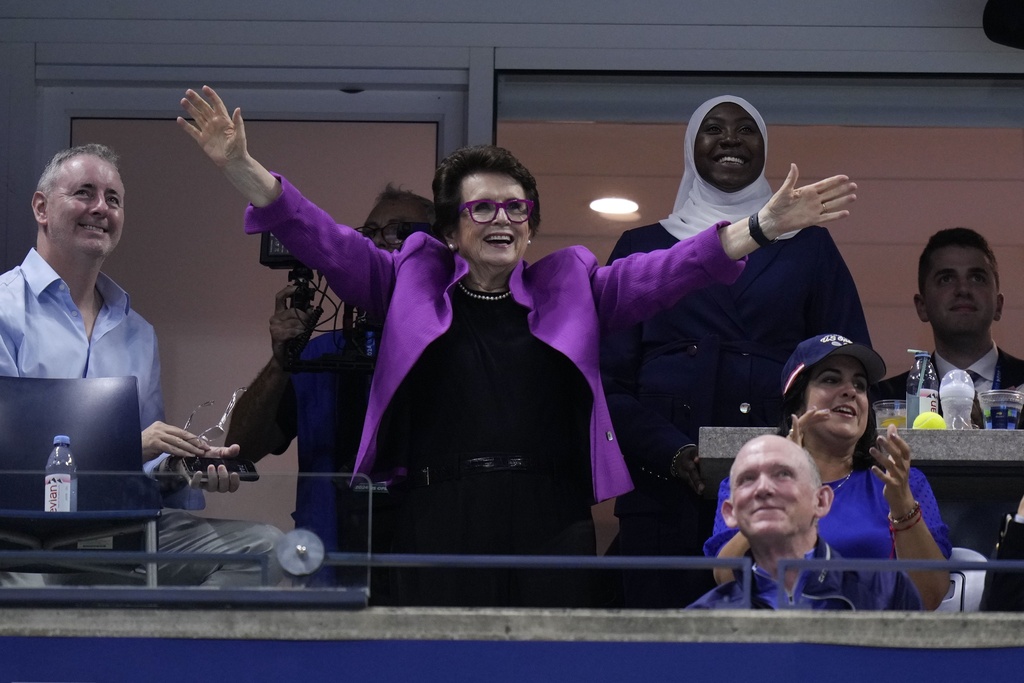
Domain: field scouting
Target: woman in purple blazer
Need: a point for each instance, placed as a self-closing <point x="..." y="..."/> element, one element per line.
<point x="487" y="401"/>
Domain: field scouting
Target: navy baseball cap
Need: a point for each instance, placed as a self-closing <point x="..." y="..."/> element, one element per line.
<point x="812" y="351"/>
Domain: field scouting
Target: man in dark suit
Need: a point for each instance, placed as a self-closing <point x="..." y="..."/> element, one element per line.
<point x="958" y="295"/>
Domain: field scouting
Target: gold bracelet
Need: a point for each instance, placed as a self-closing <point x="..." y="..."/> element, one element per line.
<point x="907" y="517"/>
<point x="673" y="469"/>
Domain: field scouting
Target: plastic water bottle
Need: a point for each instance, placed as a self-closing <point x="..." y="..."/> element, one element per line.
<point x="956" y="392"/>
<point x="61" y="482"/>
<point x="922" y="386"/>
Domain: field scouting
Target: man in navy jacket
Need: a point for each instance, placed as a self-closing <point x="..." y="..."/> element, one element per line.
<point x="776" y="501"/>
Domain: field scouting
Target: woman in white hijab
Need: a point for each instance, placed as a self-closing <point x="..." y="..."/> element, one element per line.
<point x="698" y="199"/>
<point x="717" y="356"/>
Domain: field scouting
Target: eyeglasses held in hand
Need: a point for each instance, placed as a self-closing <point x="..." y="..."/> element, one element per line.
<point x="209" y="437"/>
<point x="393" y="233"/>
<point x="485" y="210"/>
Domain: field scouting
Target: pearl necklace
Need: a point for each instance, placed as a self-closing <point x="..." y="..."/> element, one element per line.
<point x="840" y="485"/>
<point x="484" y="297"/>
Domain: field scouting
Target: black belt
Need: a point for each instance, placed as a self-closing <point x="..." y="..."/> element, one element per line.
<point x="480" y="464"/>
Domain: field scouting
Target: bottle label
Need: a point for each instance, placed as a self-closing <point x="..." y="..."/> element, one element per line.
<point x="1001" y="417"/>
<point x="928" y="401"/>
<point x="370" y="344"/>
<point x="57" y="493"/>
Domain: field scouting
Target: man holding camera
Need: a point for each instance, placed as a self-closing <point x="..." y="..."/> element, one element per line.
<point x="325" y="409"/>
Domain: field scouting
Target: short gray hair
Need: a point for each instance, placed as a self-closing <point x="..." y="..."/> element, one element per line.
<point x="812" y="466"/>
<point x="396" y="194"/>
<point x="49" y="176"/>
<point x="815" y="472"/>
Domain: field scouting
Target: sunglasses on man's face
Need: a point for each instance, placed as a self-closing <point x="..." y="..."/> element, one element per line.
<point x="393" y="233"/>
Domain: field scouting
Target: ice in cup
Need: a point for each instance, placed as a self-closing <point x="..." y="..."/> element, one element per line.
<point x="891" y="412"/>
<point x="1001" y="408"/>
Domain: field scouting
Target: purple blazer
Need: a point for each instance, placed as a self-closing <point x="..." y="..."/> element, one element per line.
<point x="570" y="299"/>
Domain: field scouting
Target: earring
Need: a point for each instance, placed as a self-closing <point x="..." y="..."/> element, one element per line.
<point x="529" y="242"/>
<point x="451" y="247"/>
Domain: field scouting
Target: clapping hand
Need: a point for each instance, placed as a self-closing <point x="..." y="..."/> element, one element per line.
<point x="892" y="458"/>
<point x="799" y="424"/>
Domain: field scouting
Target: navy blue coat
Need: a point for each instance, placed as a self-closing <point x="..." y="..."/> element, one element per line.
<point x="829" y="589"/>
<point x="716" y="357"/>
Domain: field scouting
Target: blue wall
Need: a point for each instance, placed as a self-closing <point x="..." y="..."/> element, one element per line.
<point x="110" y="660"/>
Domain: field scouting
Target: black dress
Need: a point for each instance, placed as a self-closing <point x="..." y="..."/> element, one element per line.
<point x="492" y="425"/>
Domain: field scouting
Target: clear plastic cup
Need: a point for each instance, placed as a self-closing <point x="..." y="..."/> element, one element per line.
<point x="891" y="412"/>
<point x="1001" y="408"/>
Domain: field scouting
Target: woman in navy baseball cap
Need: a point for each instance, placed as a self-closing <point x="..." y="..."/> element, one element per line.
<point x="880" y="500"/>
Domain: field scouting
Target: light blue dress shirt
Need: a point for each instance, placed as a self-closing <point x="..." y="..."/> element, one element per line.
<point x="42" y="335"/>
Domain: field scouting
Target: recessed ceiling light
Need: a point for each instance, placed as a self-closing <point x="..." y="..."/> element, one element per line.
<point x="614" y="205"/>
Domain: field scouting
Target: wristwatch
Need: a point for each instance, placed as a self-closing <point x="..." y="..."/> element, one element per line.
<point x="756" y="234"/>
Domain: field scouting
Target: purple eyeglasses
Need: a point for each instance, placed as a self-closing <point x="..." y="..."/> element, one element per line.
<point x="485" y="210"/>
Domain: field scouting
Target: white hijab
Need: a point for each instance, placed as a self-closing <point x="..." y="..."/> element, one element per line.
<point x="699" y="204"/>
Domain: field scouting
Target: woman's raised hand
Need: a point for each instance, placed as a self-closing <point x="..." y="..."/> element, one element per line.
<point x="799" y="423"/>
<point x="792" y="207"/>
<point x="222" y="138"/>
<point x="892" y="467"/>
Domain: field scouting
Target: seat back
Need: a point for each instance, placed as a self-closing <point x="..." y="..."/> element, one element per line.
<point x="966" y="585"/>
<point x="970" y="521"/>
<point x="101" y="417"/>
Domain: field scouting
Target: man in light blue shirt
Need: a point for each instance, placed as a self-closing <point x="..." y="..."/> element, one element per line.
<point x="61" y="317"/>
<point x="325" y="410"/>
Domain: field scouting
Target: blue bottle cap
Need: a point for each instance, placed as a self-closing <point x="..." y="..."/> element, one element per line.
<point x="61" y="439"/>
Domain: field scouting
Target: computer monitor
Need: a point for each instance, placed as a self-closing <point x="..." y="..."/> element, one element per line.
<point x="101" y="417"/>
